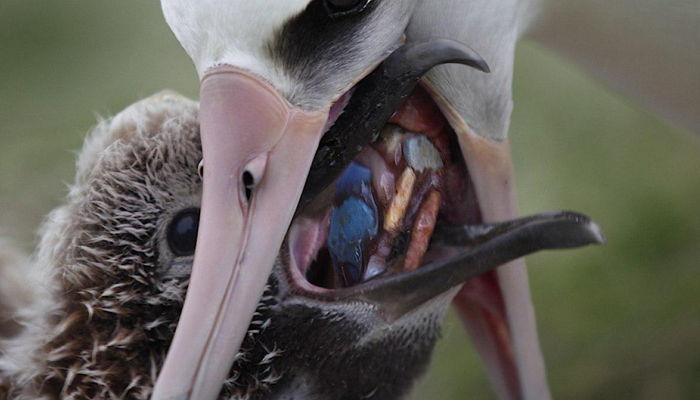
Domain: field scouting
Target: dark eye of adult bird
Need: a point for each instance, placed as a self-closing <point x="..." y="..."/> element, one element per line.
<point x="345" y="7"/>
<point x="182" y="232"/>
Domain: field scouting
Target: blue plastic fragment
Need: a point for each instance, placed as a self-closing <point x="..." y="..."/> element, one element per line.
<point x="353" y="223"/>
<point x="356" y="180"/>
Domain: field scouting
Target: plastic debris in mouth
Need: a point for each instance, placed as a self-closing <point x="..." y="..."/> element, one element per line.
<point x="382" y="212"/>
<point x="353" y="223"/>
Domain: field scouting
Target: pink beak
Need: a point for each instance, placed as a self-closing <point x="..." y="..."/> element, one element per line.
<point x="496" y="307"/>
<point x="257" y="151"/>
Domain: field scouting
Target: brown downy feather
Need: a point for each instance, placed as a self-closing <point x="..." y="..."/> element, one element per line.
<point x="108" y="292"/>
<point x="15" y="291"/>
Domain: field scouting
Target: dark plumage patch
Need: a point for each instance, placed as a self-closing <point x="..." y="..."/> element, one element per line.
<point x="327" y="347"/>
<point x="312" y="45"/>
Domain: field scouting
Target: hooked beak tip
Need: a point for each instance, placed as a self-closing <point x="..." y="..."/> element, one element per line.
<point x="597" y="233"/>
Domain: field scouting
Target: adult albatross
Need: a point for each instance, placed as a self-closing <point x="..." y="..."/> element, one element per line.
<point x="275" y="76"/>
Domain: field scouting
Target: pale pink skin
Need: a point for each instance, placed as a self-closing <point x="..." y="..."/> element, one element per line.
<point x="245" y="126"/>
<point x="506" y="339"/>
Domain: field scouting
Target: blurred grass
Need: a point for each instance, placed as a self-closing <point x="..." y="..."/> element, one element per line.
<point x="618" y="321"/>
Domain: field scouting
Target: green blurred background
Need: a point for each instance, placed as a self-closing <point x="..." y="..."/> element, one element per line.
<point x="620" y="321"/>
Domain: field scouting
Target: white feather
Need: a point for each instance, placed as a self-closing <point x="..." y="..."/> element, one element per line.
<point x="231" y="32"/>
<point x="239" y="33"/>
<point x="492" y="28"/>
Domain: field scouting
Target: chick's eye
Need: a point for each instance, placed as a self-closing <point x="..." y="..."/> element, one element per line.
<point x="345" y="7"/>
<point x="182" y="232"/>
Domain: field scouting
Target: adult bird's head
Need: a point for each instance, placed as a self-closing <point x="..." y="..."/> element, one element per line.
<point x="276" y="78"/>
<point x="270" y="72"/>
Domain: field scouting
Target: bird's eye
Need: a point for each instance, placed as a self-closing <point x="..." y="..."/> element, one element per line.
<point x="182" y="232"/>
<point x="339" y="8"/>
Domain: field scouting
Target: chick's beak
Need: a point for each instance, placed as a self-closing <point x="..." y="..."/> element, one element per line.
<point x="257" y="153"/>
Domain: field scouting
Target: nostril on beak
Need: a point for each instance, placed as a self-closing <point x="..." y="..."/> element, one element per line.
<point x="253" y="174"/>
<point x="248" y="184"/>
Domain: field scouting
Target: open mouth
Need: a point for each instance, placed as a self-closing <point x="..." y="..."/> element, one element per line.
<point x="390" y="210"/>
<point x="379" y="216"/>
<point x="394" y="209"/>
<point x="390" y="178"/>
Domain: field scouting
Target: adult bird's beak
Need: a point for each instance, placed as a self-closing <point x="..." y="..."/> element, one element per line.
<point x="257" y="151"/>
<point x="496" y="308"/>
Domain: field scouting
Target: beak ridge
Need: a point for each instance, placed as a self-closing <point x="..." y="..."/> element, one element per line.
<point x="506" y="340"/>
<point x="257" y="153"/>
